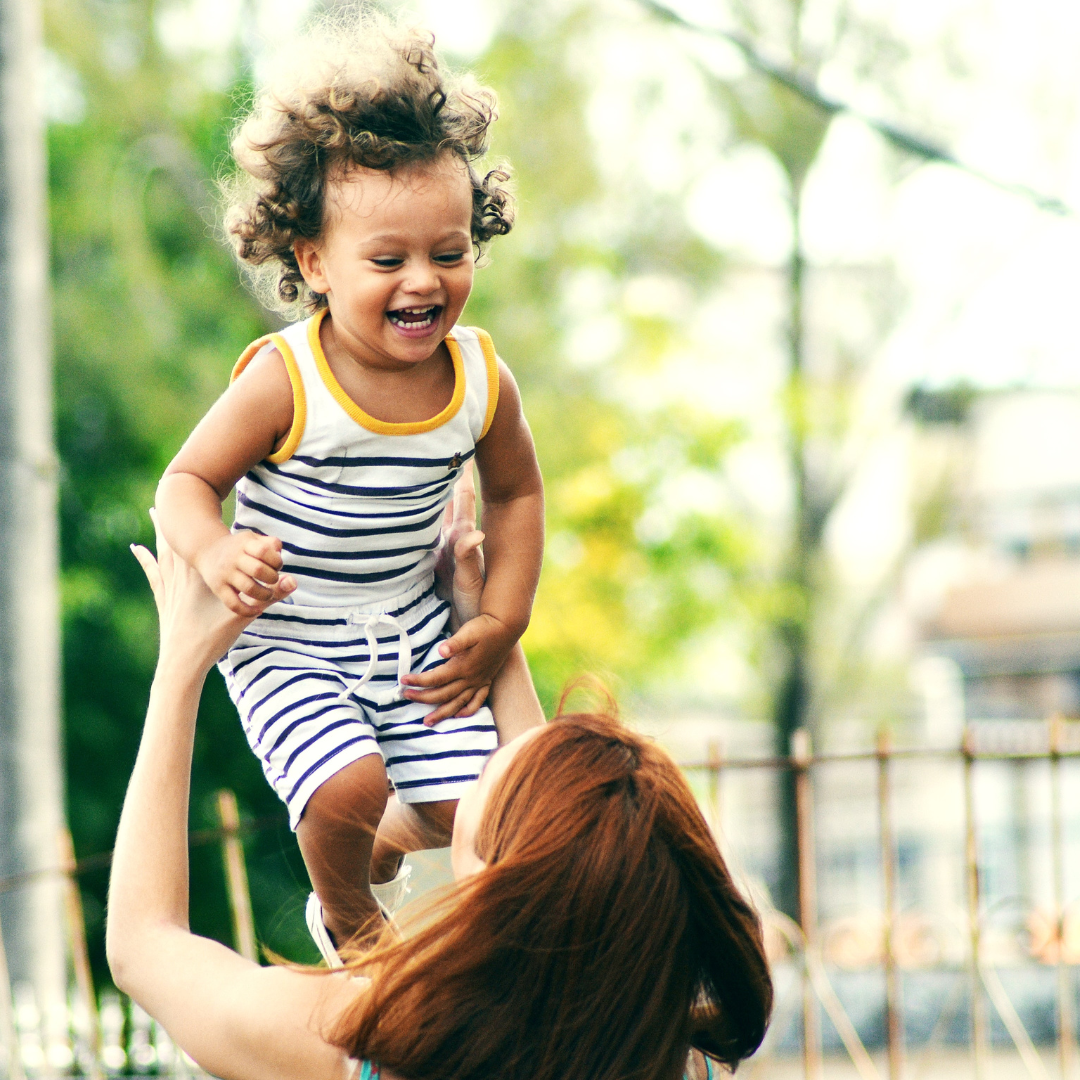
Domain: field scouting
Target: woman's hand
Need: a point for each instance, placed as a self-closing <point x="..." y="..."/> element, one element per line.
<point x="195" y="627"/>
<point x="459" y="567"/>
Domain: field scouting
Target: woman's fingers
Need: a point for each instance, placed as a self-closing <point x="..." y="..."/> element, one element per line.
<point x="150" y="569"/>
<point x="465" y="500"/>
<point x="468" y="576"/>
<point x="164" y="552"/>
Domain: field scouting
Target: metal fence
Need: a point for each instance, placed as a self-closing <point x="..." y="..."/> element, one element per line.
<point x="1052" y="743"/>
<point x="110" y="1036"/>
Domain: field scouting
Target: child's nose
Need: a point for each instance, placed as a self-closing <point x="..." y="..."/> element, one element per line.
<point x="422" y="278"/>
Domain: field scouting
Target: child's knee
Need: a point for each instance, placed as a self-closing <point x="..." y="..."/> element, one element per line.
<point x="354" y="797"/>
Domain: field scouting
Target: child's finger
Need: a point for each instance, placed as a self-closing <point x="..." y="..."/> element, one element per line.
<point x="451" y="708"/>
<point x="242" y="583"/>
<point x="286" y="584"/>
<point x="266" y="549"/>
<point x="463" y="640"/>
<point x="438" y="676"/>
<point x="477" y="700"/>
<point x="257" y="569"/>
<point x="239" y="604"/>
<point x="438" y="695"/>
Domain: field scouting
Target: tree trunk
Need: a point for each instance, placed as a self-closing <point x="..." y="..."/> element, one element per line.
<point x="31" y="786"/>
<point x="791" y="701"/>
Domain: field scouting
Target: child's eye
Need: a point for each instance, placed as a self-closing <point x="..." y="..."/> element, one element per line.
<point x="388" y="263"/>
<point x="449" y="257"/>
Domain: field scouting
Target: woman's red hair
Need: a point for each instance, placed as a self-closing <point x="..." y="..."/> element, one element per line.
<point x="604" y="939"/>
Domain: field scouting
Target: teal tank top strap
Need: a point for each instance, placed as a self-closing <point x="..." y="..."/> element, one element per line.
<point x="370" y="1071"/>
<point x="708" y="1069"/>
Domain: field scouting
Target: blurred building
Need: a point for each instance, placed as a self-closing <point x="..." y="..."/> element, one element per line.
<point x="1010" y="618"/>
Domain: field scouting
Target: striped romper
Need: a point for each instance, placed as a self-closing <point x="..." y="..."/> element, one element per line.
<point x="357" y="504"/>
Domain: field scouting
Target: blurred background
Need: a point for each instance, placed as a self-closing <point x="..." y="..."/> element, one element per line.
<point x="791" y="302"/>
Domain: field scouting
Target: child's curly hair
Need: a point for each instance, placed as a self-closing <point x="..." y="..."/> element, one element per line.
<point x="359" y="91"/>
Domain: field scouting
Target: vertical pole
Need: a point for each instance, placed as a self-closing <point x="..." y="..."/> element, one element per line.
<point x="894" y="1027"/>
<point x="8" y="1030"/>
<point x="31" y="785"/>
<point x="971" y="866"/>
<point x="716" y="763"/>
<point x="801" y="759"/>
<point x="80" y="954"/>
<point x="1066" y="1029"/>
<point x="236" y="877"/>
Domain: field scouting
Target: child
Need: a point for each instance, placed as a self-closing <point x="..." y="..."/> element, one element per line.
<point x="344" y="435"/>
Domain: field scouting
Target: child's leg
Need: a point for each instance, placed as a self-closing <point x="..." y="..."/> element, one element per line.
<point x="336" y="835"/>
<point x="409" y="827"/>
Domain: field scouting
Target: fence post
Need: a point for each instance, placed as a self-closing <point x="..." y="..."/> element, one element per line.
<point x="1066" y="1033"/>
<point x="716" y="762"/>
<point x="7" y="1019"/>
<point x="894" y="1027"/>
<point x="971" y="865"/>
<point x="801" y="757"/>
<point x="236" y="877"/>
<point x="80" y="955"/>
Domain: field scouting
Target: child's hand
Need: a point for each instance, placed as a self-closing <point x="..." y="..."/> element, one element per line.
<point x="459" y="687"/>
<point x="243" y="570"/>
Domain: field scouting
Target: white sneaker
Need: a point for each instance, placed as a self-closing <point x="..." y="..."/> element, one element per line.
<point x="390" y="895"/>
<point x="319" y="934"/>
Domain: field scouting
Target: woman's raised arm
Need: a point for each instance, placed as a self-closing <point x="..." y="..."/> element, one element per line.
<point x="238" y="1020"/>
<point x="460" y="579"/>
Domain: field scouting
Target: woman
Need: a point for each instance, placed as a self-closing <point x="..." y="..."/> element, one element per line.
<point x="594" y="933"/>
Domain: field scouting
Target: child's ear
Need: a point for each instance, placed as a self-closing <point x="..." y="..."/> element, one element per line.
<point x="310" y="262"/>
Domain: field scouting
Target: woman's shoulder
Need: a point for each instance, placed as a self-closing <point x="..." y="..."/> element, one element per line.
<point x="698" y="1066"/>
<point x="368" y="1070"/>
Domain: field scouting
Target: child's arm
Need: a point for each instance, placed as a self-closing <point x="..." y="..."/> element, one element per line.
<point x="513" y="522"/>
<point x="244" y="426"/>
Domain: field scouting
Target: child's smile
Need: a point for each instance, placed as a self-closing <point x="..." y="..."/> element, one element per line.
<point x="415" y="320"/>
<point x="395" y="262"/>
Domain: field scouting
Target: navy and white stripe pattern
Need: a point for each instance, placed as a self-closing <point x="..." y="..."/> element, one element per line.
<point x="285" y="675"/>
<point x="358" y="506"/>
<point x="358" y="502"/>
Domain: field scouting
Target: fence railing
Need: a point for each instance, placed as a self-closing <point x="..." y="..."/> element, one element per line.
<point x="1054" y="743"/>
<point x="85" y="1036"/>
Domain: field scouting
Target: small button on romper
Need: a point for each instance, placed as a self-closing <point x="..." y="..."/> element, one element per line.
<point x="358" y="506"/>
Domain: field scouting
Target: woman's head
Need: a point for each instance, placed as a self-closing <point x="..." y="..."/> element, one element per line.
<point x="603" y="936"/>
<point x="354" y="93"/>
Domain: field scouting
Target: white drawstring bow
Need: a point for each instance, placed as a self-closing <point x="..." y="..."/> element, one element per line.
<point x="404" y="663"/>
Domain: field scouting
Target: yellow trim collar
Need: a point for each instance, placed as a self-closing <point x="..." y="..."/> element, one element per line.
<point x="299" y="419"/>
<point x="383" y="427"/>
<point x="492" y="362"/>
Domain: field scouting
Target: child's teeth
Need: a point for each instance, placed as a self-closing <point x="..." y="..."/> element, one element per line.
<point x="427" y="317"/>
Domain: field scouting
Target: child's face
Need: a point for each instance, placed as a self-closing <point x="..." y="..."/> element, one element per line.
<point x="395" y="260"/>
